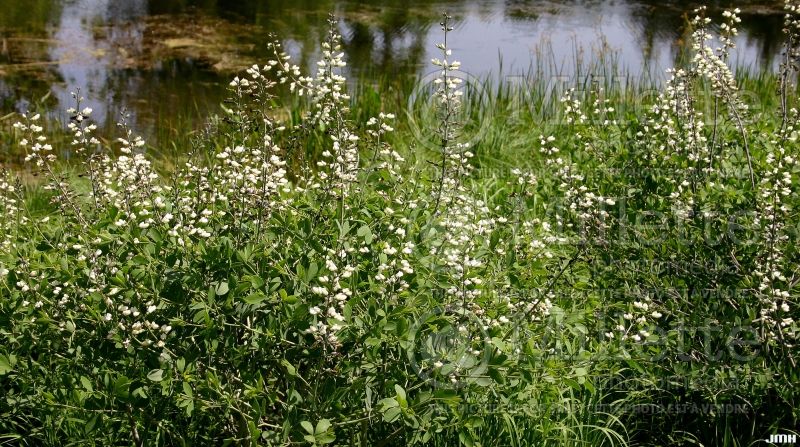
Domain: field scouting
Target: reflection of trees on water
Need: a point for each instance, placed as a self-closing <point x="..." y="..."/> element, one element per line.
<point x="382" y="38"/>
<point x="666" y="21"/>
<point x="663" y="24"/>
<point x="391" y="35"/>
<point x="85" y="59"/>
<point x="378" y="37"/>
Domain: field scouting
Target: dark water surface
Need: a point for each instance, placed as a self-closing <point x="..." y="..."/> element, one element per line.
<point x="168" y="61"/>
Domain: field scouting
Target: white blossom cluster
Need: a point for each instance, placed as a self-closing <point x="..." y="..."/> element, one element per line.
<point x="129" y="184"/>
<point x="10" y="215"/>
<point x="791" y="29"/>
<point x="35" y="142"/>
<point x="393" y="267"/>
<point x="586" y="207"/>
<point x="384" y="157"/>
<point x="676" y="122"/>
<point x="773" y="214"/>
<point x="712" y="63"/>
<point x="241" y="185"/>
<point x="573" y="108"/>
<point x="636" y="323"/>
<point x="455" y="155"/>
<point x="252" y="178"/>
<point x="466" y="231"/>
<point x="339" y="165"/>
<point x="333" y="291"/>
<point x="80" y="126"/>
<point x="241" y="189"/>
<point x="40" y="152"/>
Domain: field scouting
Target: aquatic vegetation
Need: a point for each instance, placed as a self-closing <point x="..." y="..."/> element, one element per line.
<point x="320" y="278"/>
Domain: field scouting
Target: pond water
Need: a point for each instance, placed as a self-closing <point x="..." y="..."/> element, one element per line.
<point x="167" y="61"/>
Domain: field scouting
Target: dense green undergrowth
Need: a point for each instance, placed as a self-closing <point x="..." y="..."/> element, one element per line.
<point x="589" y="266"/>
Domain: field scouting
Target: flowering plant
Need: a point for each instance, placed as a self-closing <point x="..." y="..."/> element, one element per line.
<point x="359" y="298"/>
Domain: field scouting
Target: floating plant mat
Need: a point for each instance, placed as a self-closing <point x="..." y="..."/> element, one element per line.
<point x="214" y="43"/>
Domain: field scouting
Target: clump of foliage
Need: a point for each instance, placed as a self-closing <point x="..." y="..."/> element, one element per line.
<point x="302" y="282"/>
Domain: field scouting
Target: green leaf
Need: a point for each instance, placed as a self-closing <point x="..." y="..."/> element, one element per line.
<point x="5" y="365"/>
<point x="222" y="288"/>
<point x="256" y="282"/>
<point x="201" y="316"/>
<point x="483" y="381"/>
<point x="286" y="298"/>
<point x="87" y="384"/>
<point x="307" y="426"/>
<point x="290" y="369"/>
<point x="474" y="422"/>
<point x="312" y="271"/>
<point x="366" y="233"/>
<point x="156" y="375"/>
<point x="497" y="376"/>
<point x="255" y="298"/>
<point x="448" y="396"/>
<point x="401" y="396"/>
<point x="91" y="424"/>
<point x="465" y="438"/>
<point x="122" y="387"/>
<point x="187" y="389"/>
<point x="322" y="426"/>
<point x="389" y="402"/>
<point x="344" y="228"/>
<point x="255" y="433"/>
<point x="392" y="414"/>
<point x="325" y="438"/>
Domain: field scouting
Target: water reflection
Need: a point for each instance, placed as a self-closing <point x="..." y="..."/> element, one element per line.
<point x="167" y="58"/>
<point x="82" y="60"/>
